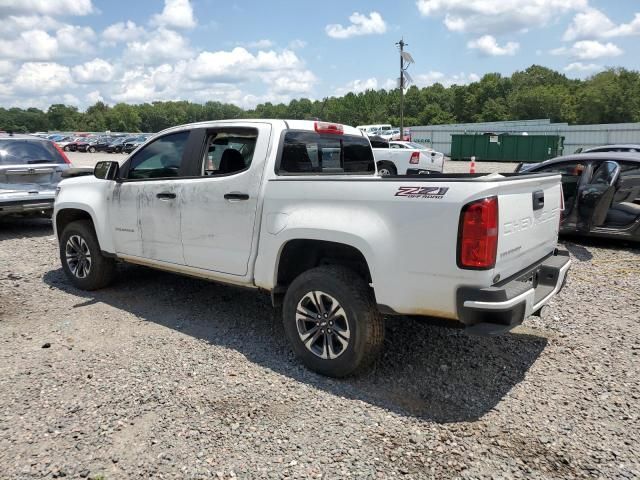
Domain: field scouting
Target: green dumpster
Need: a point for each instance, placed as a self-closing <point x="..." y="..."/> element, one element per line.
<point x="506" y="147"/>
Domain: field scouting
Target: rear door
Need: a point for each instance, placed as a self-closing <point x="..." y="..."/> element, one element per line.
<point x="596" y="196"/>
<point x="219" y="207"/>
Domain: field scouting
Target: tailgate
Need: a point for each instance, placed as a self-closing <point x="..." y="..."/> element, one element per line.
<point x="529" y="217"/>
<point x="29" y="177"/>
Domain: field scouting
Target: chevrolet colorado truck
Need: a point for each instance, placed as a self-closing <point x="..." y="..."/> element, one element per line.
<point x="296" y="209"/>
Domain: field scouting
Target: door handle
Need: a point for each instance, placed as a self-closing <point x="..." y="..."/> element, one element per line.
<point x="166" y="195"/>
<point x="236" y="196"/>
<point x="538" y="200"/>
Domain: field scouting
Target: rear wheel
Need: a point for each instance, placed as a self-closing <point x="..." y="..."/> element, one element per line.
<point x="66" y="148"/>
<point x="81" y="258"/>
<point x="386" y="169"/>
<point x="92" y="149"/>
<point x="332" y="322"/>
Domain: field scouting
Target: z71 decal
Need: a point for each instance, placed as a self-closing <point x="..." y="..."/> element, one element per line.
<point x="422" y="192"/>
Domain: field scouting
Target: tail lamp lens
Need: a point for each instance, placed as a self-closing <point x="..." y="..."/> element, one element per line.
<point x="478" y="242"/>
<point x="415" y="158"/>
<point x="61" y="152"/>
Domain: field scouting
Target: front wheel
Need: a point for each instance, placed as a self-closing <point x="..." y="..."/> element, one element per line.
<point x="332" y="322"/>
<point x="386" y="169"/>
<point x="66" y="148"/>
<point x="82" y="260"/>
<point x="92" y="149"/>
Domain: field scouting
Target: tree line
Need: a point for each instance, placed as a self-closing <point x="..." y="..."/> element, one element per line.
<point x="611" y="96"/>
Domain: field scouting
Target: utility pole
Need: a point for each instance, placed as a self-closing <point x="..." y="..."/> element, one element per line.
<point x="404" y="57"/>
<point x="401" y="44"/>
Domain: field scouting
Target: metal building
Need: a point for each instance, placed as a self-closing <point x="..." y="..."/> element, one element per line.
<point x="576" y="136"/>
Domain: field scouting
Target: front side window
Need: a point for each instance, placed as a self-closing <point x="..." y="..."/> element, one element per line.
<point x="310" y="152"/>
<point x="160" y="159"/>
<point x="229" y="151"/>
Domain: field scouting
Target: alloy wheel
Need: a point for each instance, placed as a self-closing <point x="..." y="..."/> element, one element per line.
<point x="78" y="256"/>
<point x="322" y="325"/>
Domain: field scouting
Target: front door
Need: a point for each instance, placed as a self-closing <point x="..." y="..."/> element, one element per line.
<point x="596" y="196"/>
<point x="145" y="207"/>
<point x="219" y="208"/>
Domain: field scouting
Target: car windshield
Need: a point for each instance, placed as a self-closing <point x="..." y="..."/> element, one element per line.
<point x="20" y="152"/>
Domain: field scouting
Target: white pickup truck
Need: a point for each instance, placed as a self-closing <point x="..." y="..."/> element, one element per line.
<point x="405" y="158"/>
<point x="296" y="209"/>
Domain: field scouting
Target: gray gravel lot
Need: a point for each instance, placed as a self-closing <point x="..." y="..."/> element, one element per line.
<point x="170" y="377"/>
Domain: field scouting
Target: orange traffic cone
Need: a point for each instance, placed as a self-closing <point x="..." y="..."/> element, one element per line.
<point x="472" y="167"/>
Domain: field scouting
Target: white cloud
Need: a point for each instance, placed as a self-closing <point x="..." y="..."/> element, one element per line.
<point x="582" y="67"/>
<point x="264" y="43"/>
<point x="225" y="66"/>
<point x="74" y="39"/>
<point x="488" y="45"/>
<point x="593" y="23"/>
<point x="38" y="78"/>
<point x="40" y="45"/>
<point x="95" y="71"/>
<point x="30" y="45"/>
<point x="296" y="82"/>
<point x="94" y="97"/>
<point x="13" y="25"/>
<point x="297" y="44"/>
<point x="176" y="14"/>
<point x="432" y="77"/>
<point x="46" y="7"/>
<point x="589" y="50"/>
<point x="360" y="25"/>
<point x="497" y="16"/>
<point x="357" y="86"/>
<point x="122" y="32"/>
<point x="159" y="46"/>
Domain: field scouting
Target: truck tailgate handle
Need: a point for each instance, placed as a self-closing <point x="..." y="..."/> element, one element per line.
<point x="166" y="195"/>
<point x="538" y="200"/>
<point x="236" y="196"/>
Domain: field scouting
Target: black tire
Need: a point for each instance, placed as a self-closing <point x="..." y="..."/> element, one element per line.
<point x="66" y="148"/>
<point x="365" y="324"/>
<point x="101" y="270"/>
<point x="387" y="167"/>
<point x="91" y="150"/>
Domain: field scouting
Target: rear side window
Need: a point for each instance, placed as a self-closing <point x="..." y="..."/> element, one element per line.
<point x="310" y="152"/>
<point x="25" y="152"/>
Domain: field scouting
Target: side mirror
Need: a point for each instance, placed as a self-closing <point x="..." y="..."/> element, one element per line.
<point x="106" y="170"/>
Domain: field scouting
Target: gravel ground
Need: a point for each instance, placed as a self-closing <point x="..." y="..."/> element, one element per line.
<point x="170" y="377"/>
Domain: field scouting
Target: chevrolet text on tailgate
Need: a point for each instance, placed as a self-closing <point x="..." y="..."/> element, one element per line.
<point x="296" y="209"/>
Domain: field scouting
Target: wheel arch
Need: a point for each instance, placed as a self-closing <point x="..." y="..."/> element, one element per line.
<point x="298" y="255"/>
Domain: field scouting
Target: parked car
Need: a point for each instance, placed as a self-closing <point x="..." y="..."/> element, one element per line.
<point x="623" y="147"/>
<point x="299" y="212"/>
<point x="115" y="146"/>
<point x="601" y="192"/>
<point x="70" y="144"/>
<point x="94" y="145"/>
<point x="131" y="145"/>
<point x="30" y="169"/>
<point x="394" y="159"/>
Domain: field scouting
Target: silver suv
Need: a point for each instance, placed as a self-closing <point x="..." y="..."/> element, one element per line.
<point x="30" y="169"/>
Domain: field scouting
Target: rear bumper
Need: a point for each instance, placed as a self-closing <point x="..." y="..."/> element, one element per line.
<point x="505" y="305"/>
<point x="24" y="207"/>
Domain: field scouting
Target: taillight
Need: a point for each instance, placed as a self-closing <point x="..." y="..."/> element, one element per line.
<point x="61" y="152"/>
<point x="415" y="158"/>
<point x="325" y="127"/>
<point x="478" y="234"/>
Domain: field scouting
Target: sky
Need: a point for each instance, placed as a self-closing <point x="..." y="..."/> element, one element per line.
<point x="247" y="52"/>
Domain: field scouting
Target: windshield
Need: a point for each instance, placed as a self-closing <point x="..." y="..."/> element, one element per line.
<point x="21" y="152"/>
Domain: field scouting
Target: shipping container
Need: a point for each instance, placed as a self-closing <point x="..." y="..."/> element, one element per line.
<point x="506" y="147"/>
